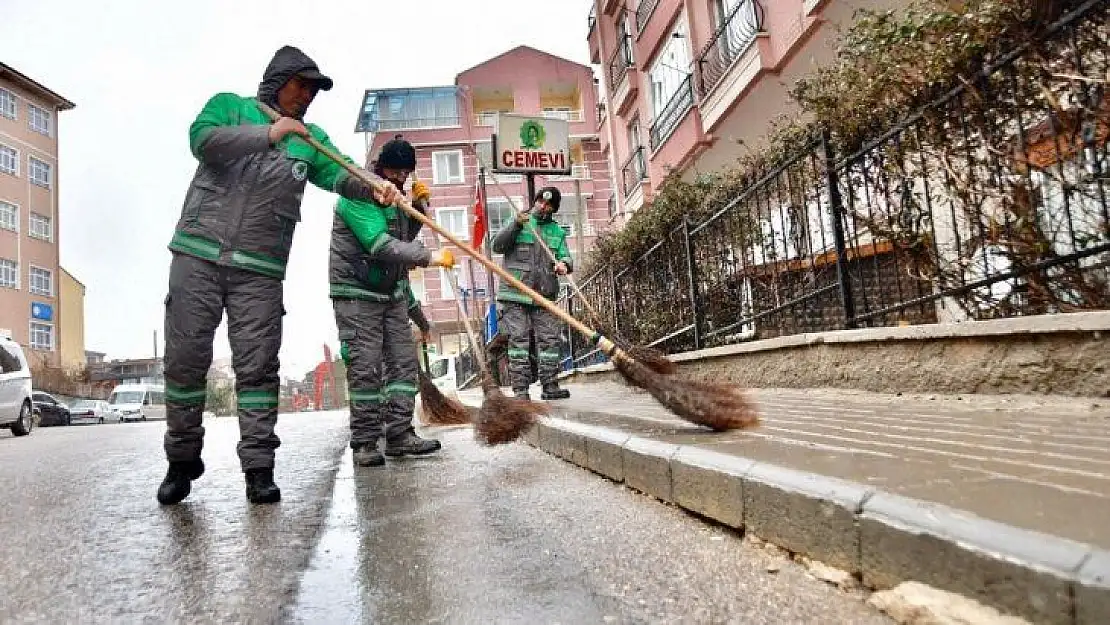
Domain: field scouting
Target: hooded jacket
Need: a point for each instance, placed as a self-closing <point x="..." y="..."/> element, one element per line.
<point x="244" y="201"/>
<point x="372" y="250"/>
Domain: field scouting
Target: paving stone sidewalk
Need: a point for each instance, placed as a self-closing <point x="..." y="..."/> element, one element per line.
<point x="1004" y="498"/>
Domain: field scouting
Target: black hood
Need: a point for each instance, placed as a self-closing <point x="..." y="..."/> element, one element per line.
<point x="287" y="62"/>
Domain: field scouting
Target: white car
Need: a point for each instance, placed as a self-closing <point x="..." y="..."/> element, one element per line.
<point x="139" y="402"/>
<point x="15" y="389"/>
<point x="92" y="411"/>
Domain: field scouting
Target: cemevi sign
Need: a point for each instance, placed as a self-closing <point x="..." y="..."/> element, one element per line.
<point x="531" y="145"/>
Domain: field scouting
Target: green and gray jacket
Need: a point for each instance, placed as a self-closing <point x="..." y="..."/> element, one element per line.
<point x="528" y="262"/>
<point x="372" y="251"/>
<point x="245" y="198"/>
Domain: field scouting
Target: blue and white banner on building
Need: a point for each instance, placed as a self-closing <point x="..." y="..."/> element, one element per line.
<point x="42" y="312"/>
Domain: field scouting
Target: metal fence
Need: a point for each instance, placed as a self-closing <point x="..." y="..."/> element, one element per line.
<point x="989" y="202"/>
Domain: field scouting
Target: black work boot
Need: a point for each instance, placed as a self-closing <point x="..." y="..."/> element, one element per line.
<point x="521" y="393"/>
<point x="179" y="481"/>
<point x="551" y="390"/>
<point x="409" y="444"/>
<point x="367" y="455"/>
<point x="261" y="487"/>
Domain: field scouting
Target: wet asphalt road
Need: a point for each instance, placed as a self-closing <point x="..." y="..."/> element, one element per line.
<point x="475" y="535"/>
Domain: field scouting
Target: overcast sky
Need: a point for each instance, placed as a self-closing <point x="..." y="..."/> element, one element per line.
<point x="139" y="71"/>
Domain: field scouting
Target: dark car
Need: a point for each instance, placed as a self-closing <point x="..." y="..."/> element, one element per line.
<point x="50" y="411"/>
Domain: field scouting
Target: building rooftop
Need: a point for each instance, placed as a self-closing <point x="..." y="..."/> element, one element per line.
<point x="25" y="81"/>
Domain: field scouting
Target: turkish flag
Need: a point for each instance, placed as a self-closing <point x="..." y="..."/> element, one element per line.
<point x="479" y="217"/>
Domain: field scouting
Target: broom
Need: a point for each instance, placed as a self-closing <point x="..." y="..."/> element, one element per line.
<point x="501" y="419"/>
<point x="715" y="406"/>
<point x="654" y="359"/>
<point x="437" y="408"/>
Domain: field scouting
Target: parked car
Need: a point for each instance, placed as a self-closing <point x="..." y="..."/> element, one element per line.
<point x="16" y="406"/>
<point x="139" y="402"/>
<point x="50" y="411"/>
<point x="92" y="411"/>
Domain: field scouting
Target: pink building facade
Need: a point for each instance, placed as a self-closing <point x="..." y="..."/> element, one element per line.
<point x="451" y="127"/>
<point x="687" y="81"/>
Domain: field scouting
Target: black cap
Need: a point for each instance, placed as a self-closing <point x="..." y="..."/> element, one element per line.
<point x="552" y="196"/>
<point x="313" y="74"/>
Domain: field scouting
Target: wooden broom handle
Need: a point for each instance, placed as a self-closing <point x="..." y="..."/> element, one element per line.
<point x="406" y="206"/>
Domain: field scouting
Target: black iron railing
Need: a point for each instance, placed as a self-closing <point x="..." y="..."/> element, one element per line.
<point x="671" y="116"/>
<point x="643" y="13"/>
<point x="619" y="63"/>
<point x="737" y="30"/>
<point x="633" y="172"/>
<point x="992" y="201"/>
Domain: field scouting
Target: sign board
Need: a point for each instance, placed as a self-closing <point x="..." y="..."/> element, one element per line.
<point x="531" y="145"/>
<point x="42" y="312"/>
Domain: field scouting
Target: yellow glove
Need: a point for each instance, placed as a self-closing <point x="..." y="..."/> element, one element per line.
<point x="421" y="192"/>
<point x="442" y="258"/>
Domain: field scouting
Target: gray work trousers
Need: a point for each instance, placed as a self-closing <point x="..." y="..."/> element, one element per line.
<point x="382" y="368"/>
<point x="518" y="321"/>
<point x="199" y="293"/>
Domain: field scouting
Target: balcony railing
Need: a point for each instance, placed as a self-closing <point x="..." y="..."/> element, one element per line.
<point x="737" y="31"/>
<point x="570" y="116"/>
<point x="643" y="14"/>
<point x="577" y="172"/>
<point x="591" y="21"/>
<point x="633" y="172"/>
<point x="672" y="113"/>
<point x="485" y="119"/>
<point x="414" y="123"/>
<point x="619" y="64"/>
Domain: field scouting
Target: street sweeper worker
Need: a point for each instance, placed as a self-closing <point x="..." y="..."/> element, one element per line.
<point x="372" y="251"/>
<point x="529" y="263"/>
<point x="230" y="249"/>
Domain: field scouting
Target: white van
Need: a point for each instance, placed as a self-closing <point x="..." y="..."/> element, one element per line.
<point x="15" y="389"/>
<point x="441" y="369"/>
<point x="138" y="402"/>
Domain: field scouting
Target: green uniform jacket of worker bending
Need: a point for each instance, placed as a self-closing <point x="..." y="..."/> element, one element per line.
<point x="372" y="251"/>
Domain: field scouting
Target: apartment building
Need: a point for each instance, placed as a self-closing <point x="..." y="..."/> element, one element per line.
<point x="451" y="128"/>
<point x="688" y="81"/>
<point x="30" y="274"/>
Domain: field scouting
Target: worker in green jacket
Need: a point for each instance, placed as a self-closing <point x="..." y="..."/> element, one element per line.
<point x="230" y="249"/>
<point x="529" y="263"/>
<point x="373" y="248"/>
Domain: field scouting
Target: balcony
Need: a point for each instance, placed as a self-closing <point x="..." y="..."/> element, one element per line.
<point x="643" y="14"/>
<point x="633" y="172"/>
<point x="728" y="44"/>
<point x="487" y="118"/>
<point x="408" y="109"/>
<point x="623" y="87"/>
<point x="570" y="115"/>
<point x="619" y="63"/>
<point x="672" y="114"/>
<point x="577" y="172"/>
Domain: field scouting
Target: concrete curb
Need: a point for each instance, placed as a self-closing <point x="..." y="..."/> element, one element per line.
<point x="881" y="538"/>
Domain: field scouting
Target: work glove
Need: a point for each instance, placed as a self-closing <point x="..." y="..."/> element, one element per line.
<point x="442" y="258"/>
<point x="421" y="194"/>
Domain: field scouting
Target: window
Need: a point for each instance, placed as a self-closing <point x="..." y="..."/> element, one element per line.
<point x="9" y="160"/>
<point x="447" y="167"/>
<point x="40" y="119"/>
<point x="9" y="359"/>
<point x="670" y="69"/>
<point x="454" y="220"/>
<point x="42" y="336"/>
<point x="40" y="172"/>
<point x="500" y="211"/>
<point x="41" y="228"/>
<point x="9" y="216"/>
<point x="9" y="274"/>
<point x="446" y="290"/>
<point x="416" y="281"/>
<point x="567" y="217"/>
<point x="41" y="281"/>
<point x="7" y="104"/>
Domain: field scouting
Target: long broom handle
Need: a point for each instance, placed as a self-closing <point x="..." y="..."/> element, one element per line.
<point x="404" y="205"/>
<point x="550" y="254"/>
<point x="479" y="353"/>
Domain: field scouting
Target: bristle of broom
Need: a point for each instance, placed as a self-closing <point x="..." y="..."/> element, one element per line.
<point x="716" y="406"/>
<point x="503" y="419"/>
<point x="438" y="409"/>
<point x="651" y="358"/>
